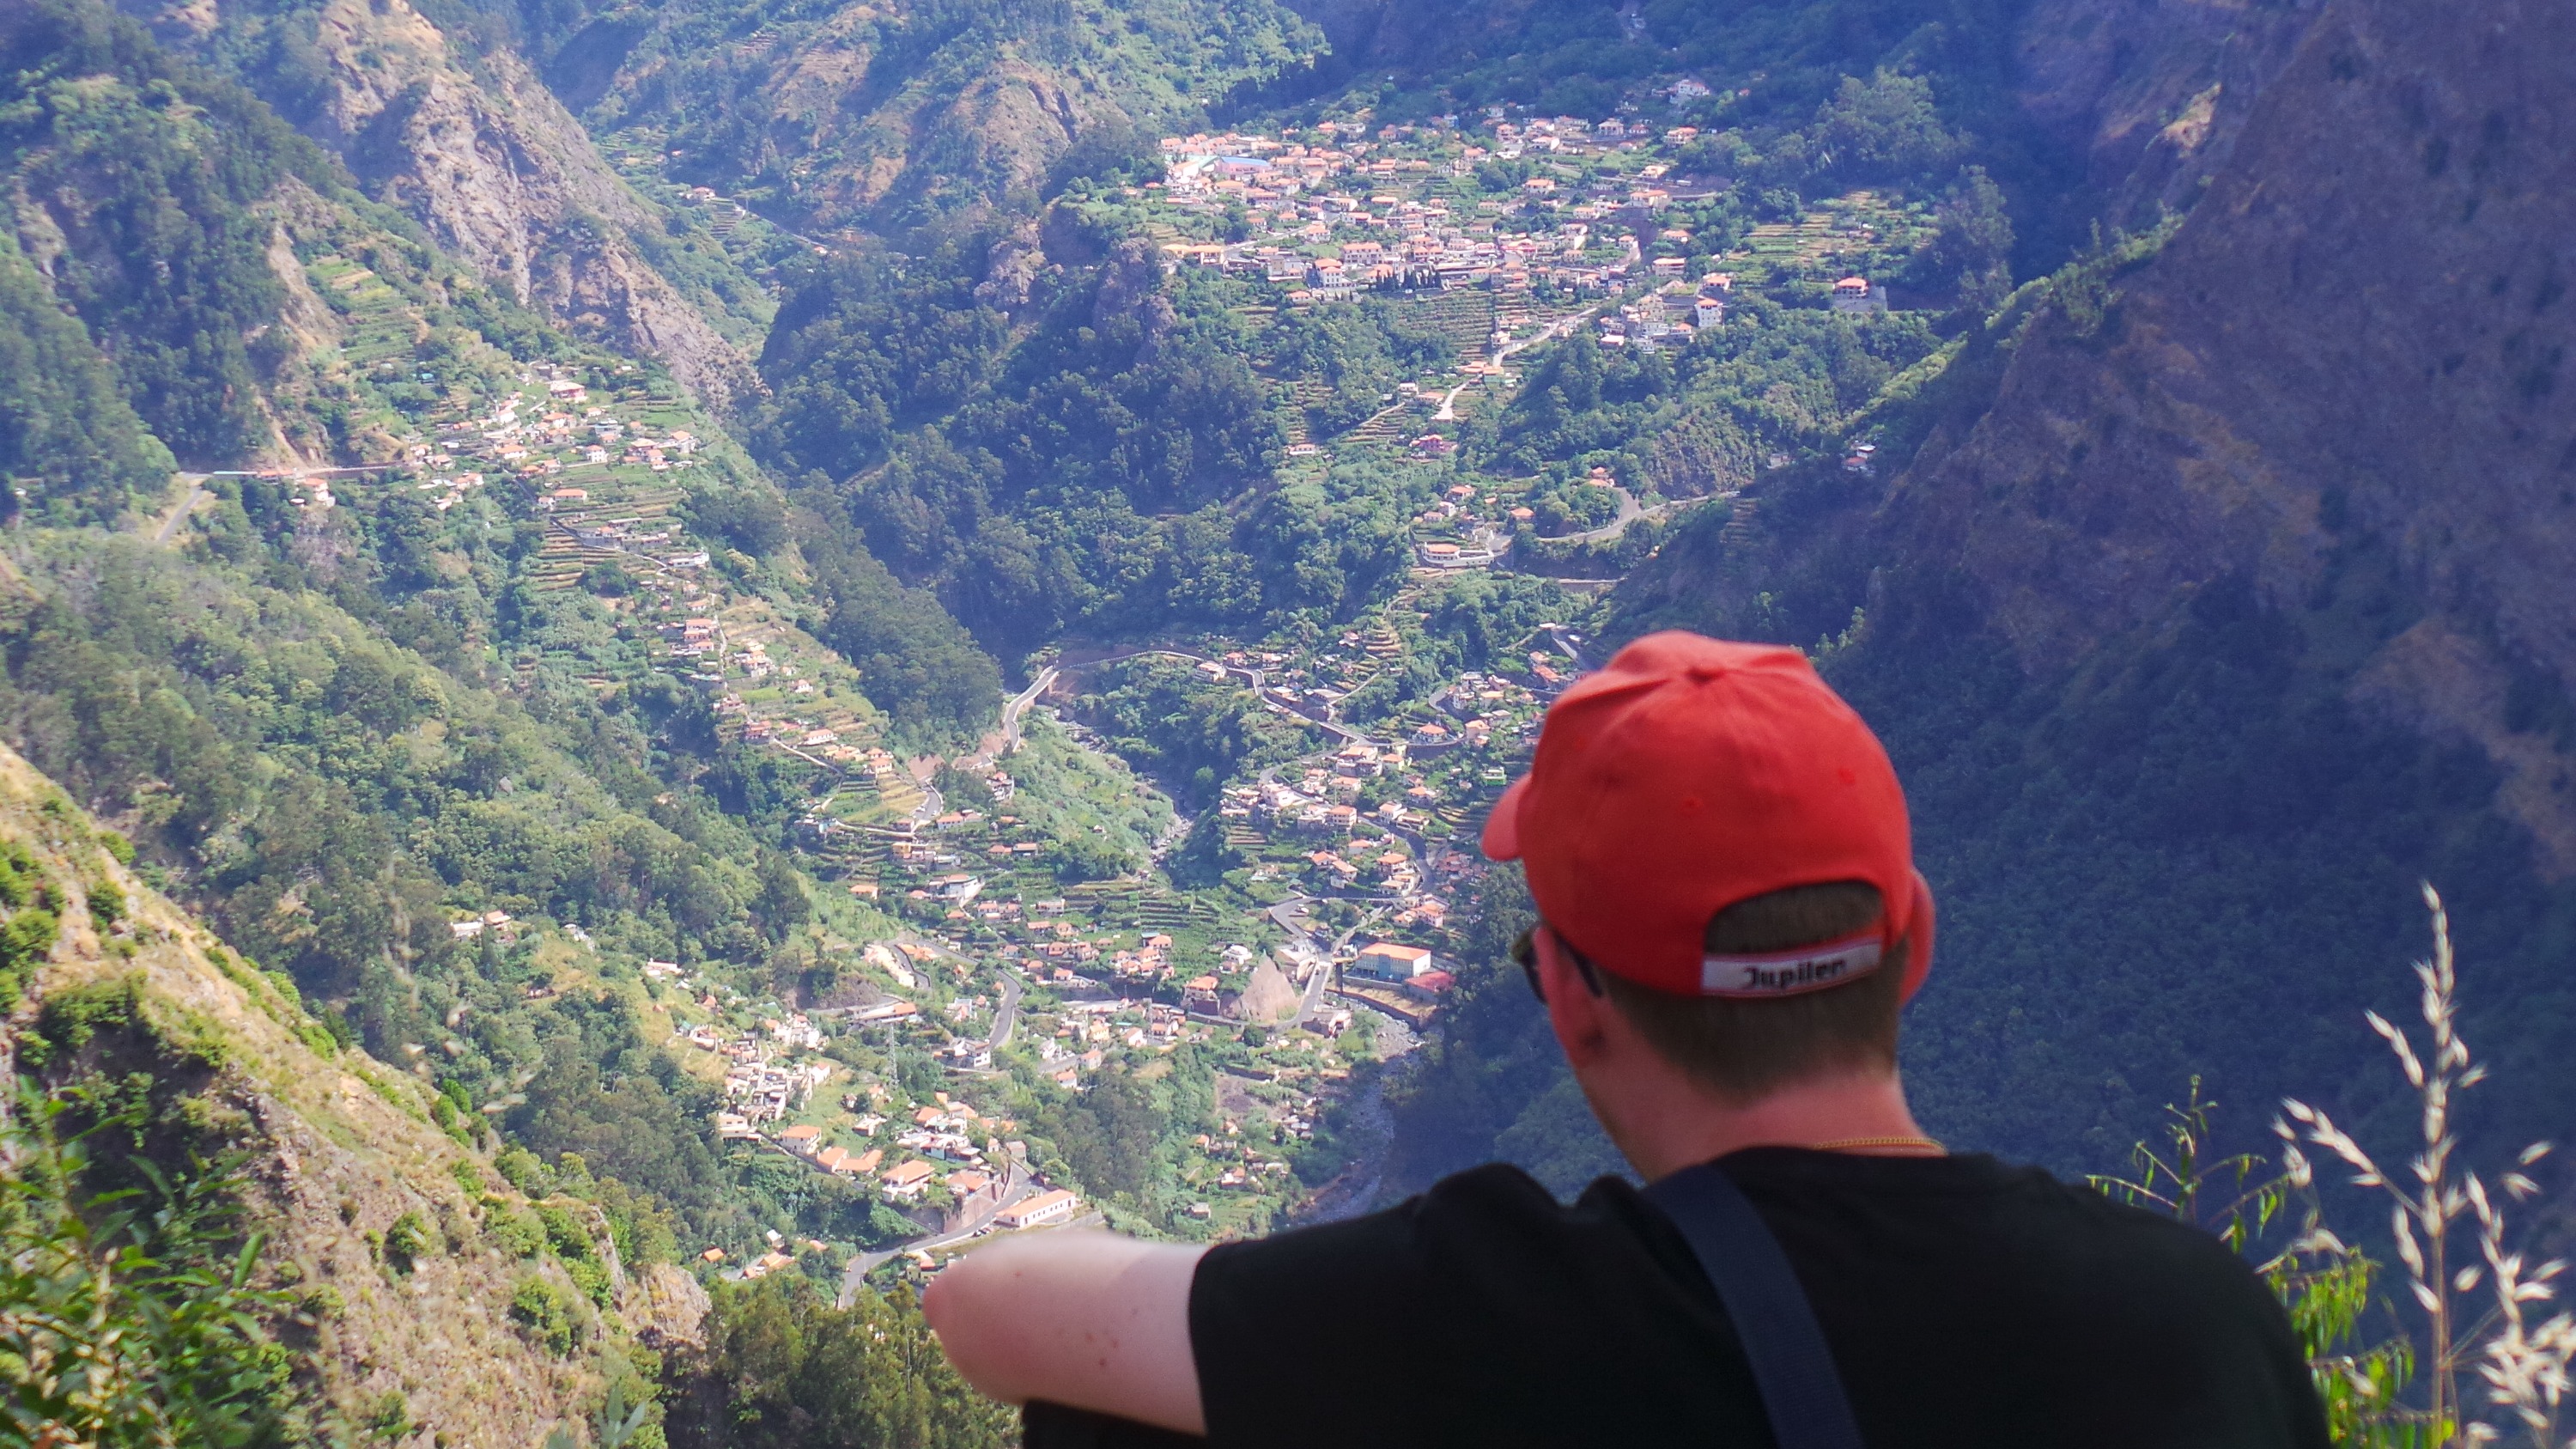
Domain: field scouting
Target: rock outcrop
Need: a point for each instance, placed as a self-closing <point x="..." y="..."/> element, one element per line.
<point x="1268" y="997"/>
<point x="474" y="147"/>
<point x="2152" y="96"/>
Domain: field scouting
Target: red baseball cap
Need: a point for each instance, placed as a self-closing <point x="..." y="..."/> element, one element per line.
<point x="1693" y="773"/>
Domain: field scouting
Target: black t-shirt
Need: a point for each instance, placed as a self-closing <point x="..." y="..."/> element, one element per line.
<point x="1966" y="1302"/>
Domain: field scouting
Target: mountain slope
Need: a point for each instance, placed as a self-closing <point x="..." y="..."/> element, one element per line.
<point x="2240" y="409"/>
<point x="186" y="275"/>
<point x="2213" y="599"/>
<point x="2224" y="599"/>
<point x="892" y="116"/>
<point x="394" y="1238"/>
<point x="460" y="134"/>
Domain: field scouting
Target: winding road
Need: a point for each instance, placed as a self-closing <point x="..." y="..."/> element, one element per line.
<point x="1448" y="412"/>
<point x="196" y="489"/>
<point x="1007" y="1014"/>
<point x="1277" y="701"/>
<point x="1016" y="1185"/>
<point x="1016" y="708"/>
<point x="1629" y="512"/>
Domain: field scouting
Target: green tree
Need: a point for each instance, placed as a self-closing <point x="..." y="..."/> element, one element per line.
<point x="785" y="1369"/>
<point x="1883" y="129"/>
<point x="133" y="1320"/>
<point x="1971" y="252"/>
<point x="67" y="433"/>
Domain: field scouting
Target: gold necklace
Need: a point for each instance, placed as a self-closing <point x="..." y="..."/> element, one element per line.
<point x="1853" y="1144"/>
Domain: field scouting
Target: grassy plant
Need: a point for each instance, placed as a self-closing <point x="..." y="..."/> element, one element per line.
<point x="620" y="1424"/>
<point x="2478" y="1305"/>
<point x="2323" y="1283"/>
<point x="2521" y="1364"/>
<point x="132" y="1319"/>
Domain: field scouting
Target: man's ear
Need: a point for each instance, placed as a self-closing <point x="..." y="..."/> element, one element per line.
<point x="1574" y="1009"/>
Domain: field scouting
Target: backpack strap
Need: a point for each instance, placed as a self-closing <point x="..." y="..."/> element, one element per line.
<point x="1801" y="1390"/>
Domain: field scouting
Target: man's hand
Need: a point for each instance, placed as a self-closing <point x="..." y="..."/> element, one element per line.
<point x="1091" y="1320"/>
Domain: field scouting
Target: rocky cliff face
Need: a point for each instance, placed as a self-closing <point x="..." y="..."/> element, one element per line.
<point x="2223" y="597"/>
<point x="2352" y="346"/>
<point x="2151" y="95"/>
<point x="474" y="147"/>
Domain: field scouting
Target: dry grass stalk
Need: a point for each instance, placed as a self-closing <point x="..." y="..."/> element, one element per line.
<point x="2524" y="1366"/>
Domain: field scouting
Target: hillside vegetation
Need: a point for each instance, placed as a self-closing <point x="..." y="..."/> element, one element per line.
<point x="891" y="118"/>
<point x="381" y="1250"/>
<point x="524" y="519"/>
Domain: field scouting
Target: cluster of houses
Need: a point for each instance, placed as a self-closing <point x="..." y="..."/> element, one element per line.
<point x="1379" y="864"/>
<point x="446" y="489"/>
<point x="536" y="445"/>
<point x="1344" y="240"/>
<point x="496" y="922"/>
<point x="945" y="1153"/>
<point x="1671" y="314"/>
<point x="1085" y="1031"/>
<point x="1323" y="801"/>
<point x="758" y="1089"/>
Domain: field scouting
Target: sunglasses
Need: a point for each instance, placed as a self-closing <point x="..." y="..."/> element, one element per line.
<point x="1525" y="951"/>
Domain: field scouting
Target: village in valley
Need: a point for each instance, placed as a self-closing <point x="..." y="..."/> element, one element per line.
<point x="1553" y="215"/>
<point x="967" y="928"/>
<point x="1004" y="924"/>
<point x="961" y="937"/>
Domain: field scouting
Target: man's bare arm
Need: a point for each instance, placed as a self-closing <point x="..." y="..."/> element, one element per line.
<point x="1090" y="1320"/>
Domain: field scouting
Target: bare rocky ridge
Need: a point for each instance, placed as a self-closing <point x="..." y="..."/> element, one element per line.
<point x="2329" y="356"/>
<point x="481" y="154"/>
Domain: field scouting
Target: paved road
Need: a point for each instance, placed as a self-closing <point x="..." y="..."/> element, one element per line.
<point x="1274" y="700"/>
<point x="196" y="489"/>
<point x="1569" y="642"/>
<point x="1285" y="916"/>
<point x="932" y="806"/>
<point x="1015" y="1186"/>
<point x="1629" y="513"/>
<point x="1007" y="1014"/>
<point x="1448" y="412"/>
<point x="1316" y="984"/>
<point x="1017" y="707"/>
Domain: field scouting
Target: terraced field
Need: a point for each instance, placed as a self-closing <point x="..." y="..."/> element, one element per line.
<point x="1835" y="236"/>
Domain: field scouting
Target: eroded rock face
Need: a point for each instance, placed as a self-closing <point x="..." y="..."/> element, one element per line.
<point x="2351" y="348"/>
<point x="1268" y="997"/>
<point x="2152" y="95"/>
<point x="481" y="154"/>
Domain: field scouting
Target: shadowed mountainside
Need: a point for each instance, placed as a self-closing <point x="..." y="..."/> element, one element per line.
<point x="2216" y="598"/>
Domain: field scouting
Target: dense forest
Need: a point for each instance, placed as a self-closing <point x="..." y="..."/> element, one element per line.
<point x="1098" y="457"/>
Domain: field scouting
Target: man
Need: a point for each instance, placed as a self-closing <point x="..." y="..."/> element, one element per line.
<point x="1731" y="920"/>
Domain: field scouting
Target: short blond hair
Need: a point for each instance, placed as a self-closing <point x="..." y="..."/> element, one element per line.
<point x="1745" y="1050"/>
